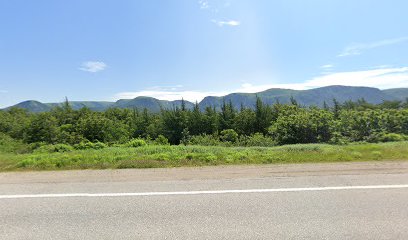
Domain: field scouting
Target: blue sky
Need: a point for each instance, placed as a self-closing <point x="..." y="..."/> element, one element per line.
<point x="107" y="50"/>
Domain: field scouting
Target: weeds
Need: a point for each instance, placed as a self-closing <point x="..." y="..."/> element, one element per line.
<point x="157" y="156"/>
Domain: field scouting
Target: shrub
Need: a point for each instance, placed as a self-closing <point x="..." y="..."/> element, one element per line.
<point x="99" y="145"/>
<point x="229" y="135"/>
<point x="8" y="144"/>
<point x="89" y="145"/>
<point x="161" y="140"/>
<point x="54" y="148"/>
<point x="256" y="140"/>
<point x="338" y="139"/>
<point x="205" y="140"/>
<point x="63" y="148"/>
<point x="386" y="137"/>
<point x="136" y="143"/>
<point x="303" y="126"/>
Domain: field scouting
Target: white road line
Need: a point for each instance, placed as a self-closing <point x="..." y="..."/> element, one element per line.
<point x="143" y="194"/>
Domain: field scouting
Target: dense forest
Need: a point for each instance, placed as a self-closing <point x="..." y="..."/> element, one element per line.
<point x="264" y="125"/>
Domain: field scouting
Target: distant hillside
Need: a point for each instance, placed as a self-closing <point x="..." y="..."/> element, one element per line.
<point x="315" y="97"/>
<point x="397" y="93"/>
<point x="93" y="105"/>
<point x="312" y="97"/>
<point x="152" y="104"/>
<point x="33" y="106"/>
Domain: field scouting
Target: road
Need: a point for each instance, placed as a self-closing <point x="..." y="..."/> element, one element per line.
<point x="307" y="201"/>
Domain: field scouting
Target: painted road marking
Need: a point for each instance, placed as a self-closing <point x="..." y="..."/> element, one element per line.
<point x="144" y="194"/>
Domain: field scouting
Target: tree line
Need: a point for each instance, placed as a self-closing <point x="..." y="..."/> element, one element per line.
<point x="276" y="124"/>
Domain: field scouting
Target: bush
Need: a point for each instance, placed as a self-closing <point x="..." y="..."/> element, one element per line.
<point x="256" y="140"/>
<point x="99" y="145"/>
<point x="229" y="135"/>
<point x="303" y="126"/>
<point x="161" y="140"/>
<point x="10" y="145"/>
<point x="338" y="139"/>
<point x="136" y="143"/>
<point x="89" y="145"/>
<point x="63" y="148"/>
<point x="54" y="148"/>
<point x="205" y="140"/>
<point x="386" y="137"/>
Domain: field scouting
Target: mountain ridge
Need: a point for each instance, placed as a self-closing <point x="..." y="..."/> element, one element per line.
<point x="316" y="97"/>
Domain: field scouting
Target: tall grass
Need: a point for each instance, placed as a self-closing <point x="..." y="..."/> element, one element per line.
<point x="154" y="156"/>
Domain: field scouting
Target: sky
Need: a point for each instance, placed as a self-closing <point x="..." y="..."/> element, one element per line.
<point x="110" y="50"/>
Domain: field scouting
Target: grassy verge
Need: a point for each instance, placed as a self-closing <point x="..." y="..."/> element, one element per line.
<point x="177" y="156"/>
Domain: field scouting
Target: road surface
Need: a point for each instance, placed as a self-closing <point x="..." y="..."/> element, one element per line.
<point x="308" y="201"/>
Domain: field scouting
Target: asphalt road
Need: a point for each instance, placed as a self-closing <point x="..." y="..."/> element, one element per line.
<point x="311" y="201"/>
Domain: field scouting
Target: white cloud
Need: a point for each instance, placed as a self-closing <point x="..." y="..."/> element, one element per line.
<point x="3" y="91"/>
<point x="383" y="78"/>
<point x="327" y="66"/>
<point x="380" y="78"/>
<point x="216" y="8"/>
<point x="204" y="4"/>
<point x="358" y="48"/>
<point x="232" y="23"/>
<point x="93" y="66"/>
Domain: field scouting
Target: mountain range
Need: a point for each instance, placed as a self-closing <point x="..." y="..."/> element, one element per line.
<point x="311" y="97"/>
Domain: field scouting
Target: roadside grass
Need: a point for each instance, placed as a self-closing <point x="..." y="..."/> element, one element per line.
<point x="177" y="156"/>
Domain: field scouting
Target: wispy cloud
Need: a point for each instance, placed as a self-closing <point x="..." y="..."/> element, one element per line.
<point x="380" y="78"/>
<point x="383" y="78"/>
<point x="215" y="8"/>
<point x="3" y="91"/>
<point x="93" y="66"/>
<point x="358" y="48"/>
<point x="327" y="66"/>
<point x="231" y="23"/>
<point x="204" y="4"/>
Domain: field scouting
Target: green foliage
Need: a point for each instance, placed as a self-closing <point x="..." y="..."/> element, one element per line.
<point x="229" y="135"/>
<point x="161" y="140"/>
<point x="185" y="137"/>
<point x="136" y="143"/>
<point x="245" y="122"/>
<point x="99" y="128"/>
<point x="256" y="140"/>
<point x="176" y="156"/>
<point x="303" y="126"/>
<point x="54" y="148"/>
<point x="227" y="115"/>
<point x="386" y="137"/>
<point x="42" y="128"/>
<point x="205" y="140"/>
<point x="85" y="145"/>
<point x="339" y="123"/>
<point x="10" y="145"/>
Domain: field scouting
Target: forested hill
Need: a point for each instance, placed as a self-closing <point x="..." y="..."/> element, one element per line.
<point x="317" y="97"/>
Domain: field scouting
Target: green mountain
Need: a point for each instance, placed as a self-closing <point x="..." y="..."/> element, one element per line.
<point x="312" y="97"/>
<point x="92" y="105"/>
<point x="33" y="106"/>
<point x="315" y="97"/>
<point x="397" y="93"/>
<point x="152" y="104"/>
